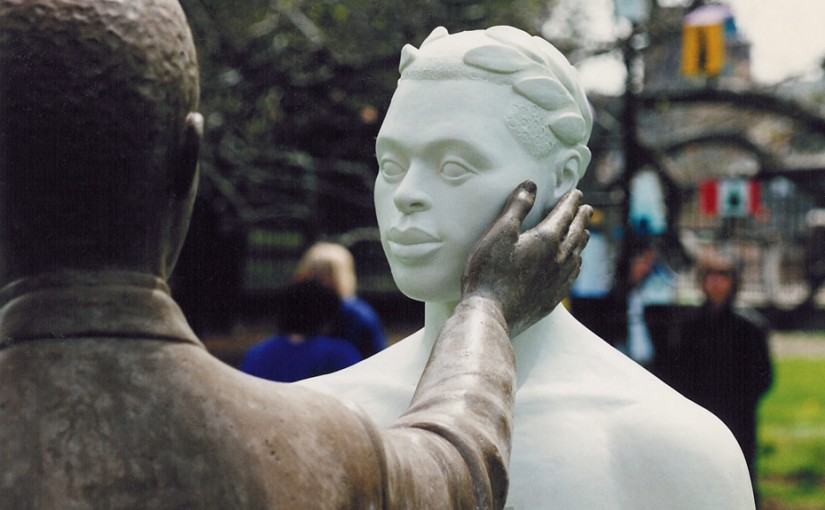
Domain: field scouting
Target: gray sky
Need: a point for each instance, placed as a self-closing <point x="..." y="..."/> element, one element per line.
<point x="787" y="36"/>
<point x="787" y="39"/>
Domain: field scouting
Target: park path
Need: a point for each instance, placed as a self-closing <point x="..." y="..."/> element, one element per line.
<point x="795" y="344"/>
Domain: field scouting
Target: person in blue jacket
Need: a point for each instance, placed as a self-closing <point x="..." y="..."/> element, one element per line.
<point x="333" y="265"/>
<point x="302" y="348"/>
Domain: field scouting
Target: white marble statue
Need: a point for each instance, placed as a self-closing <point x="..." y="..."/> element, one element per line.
<point x="475" y="113"/>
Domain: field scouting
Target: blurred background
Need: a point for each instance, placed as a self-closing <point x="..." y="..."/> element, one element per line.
<point x="709" y="135"/>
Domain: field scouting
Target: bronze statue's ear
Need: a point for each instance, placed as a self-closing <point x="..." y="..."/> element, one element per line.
<point x="186" y="163"/>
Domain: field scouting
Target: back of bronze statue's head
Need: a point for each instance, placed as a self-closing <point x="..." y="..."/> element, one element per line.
<point x="98" y="140"/>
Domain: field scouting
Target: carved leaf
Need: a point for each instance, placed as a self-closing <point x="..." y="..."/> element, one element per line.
<point x="514" y="37"/>
<point x="437" y="33"/>
<point x="545" y="91"/>
<point x="568" y="127"/>
<point x="408" y="54"/>
<point x="500" y="59"/>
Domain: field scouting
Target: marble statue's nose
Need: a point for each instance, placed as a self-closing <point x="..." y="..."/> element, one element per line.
<point x="411" y="193"/>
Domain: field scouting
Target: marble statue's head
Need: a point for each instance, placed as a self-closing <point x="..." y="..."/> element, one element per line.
<point x="98" y="135"/>
<point x="475" y="113"/>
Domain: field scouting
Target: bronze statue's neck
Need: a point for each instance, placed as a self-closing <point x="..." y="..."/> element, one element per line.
<point x="77" y="304"/>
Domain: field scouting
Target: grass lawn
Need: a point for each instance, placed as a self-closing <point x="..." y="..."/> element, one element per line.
<point x="791" y="462"/>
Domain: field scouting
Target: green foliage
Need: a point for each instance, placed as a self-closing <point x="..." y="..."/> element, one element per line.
<point x="792" y="436"/>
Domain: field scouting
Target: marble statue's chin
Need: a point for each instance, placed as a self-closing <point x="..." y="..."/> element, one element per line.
<point x="427" y="277"/>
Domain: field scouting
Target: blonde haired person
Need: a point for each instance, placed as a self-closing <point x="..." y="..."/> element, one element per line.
<point x="333" y="266"/>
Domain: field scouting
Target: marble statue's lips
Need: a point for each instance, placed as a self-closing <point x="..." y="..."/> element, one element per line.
<point x="411" y="244"/>
<point x="411" y="236"/>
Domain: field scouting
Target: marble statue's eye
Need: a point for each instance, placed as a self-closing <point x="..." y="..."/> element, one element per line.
<point x="391" y="170"/>
<point x="455" y="171"/>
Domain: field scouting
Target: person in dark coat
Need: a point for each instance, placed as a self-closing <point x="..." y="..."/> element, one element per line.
<point x="724" y="361"/>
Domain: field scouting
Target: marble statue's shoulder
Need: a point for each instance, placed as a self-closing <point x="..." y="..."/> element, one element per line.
<point x="695" y="458"/>
<point x="582" y="358"/>
<point x="647" y="429"/>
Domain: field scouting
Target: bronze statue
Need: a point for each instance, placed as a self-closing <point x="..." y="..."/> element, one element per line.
<point x="109" y="400"/>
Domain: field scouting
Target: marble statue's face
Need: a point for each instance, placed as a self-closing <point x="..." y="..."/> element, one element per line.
<point x="447" y="163"/>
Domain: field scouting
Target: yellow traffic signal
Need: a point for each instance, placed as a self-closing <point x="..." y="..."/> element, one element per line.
<point x="703" y="49"/>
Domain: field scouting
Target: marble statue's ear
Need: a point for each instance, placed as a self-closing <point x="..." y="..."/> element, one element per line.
<point x="569" y="174"/>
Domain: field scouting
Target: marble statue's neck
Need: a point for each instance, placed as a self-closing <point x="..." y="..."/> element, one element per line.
<point x="538" y="349"/>
<point x="435" y="315"/>
<point x="541" y="336"/>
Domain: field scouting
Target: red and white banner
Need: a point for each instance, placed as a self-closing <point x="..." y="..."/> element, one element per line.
<point x="729" y="198"/>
